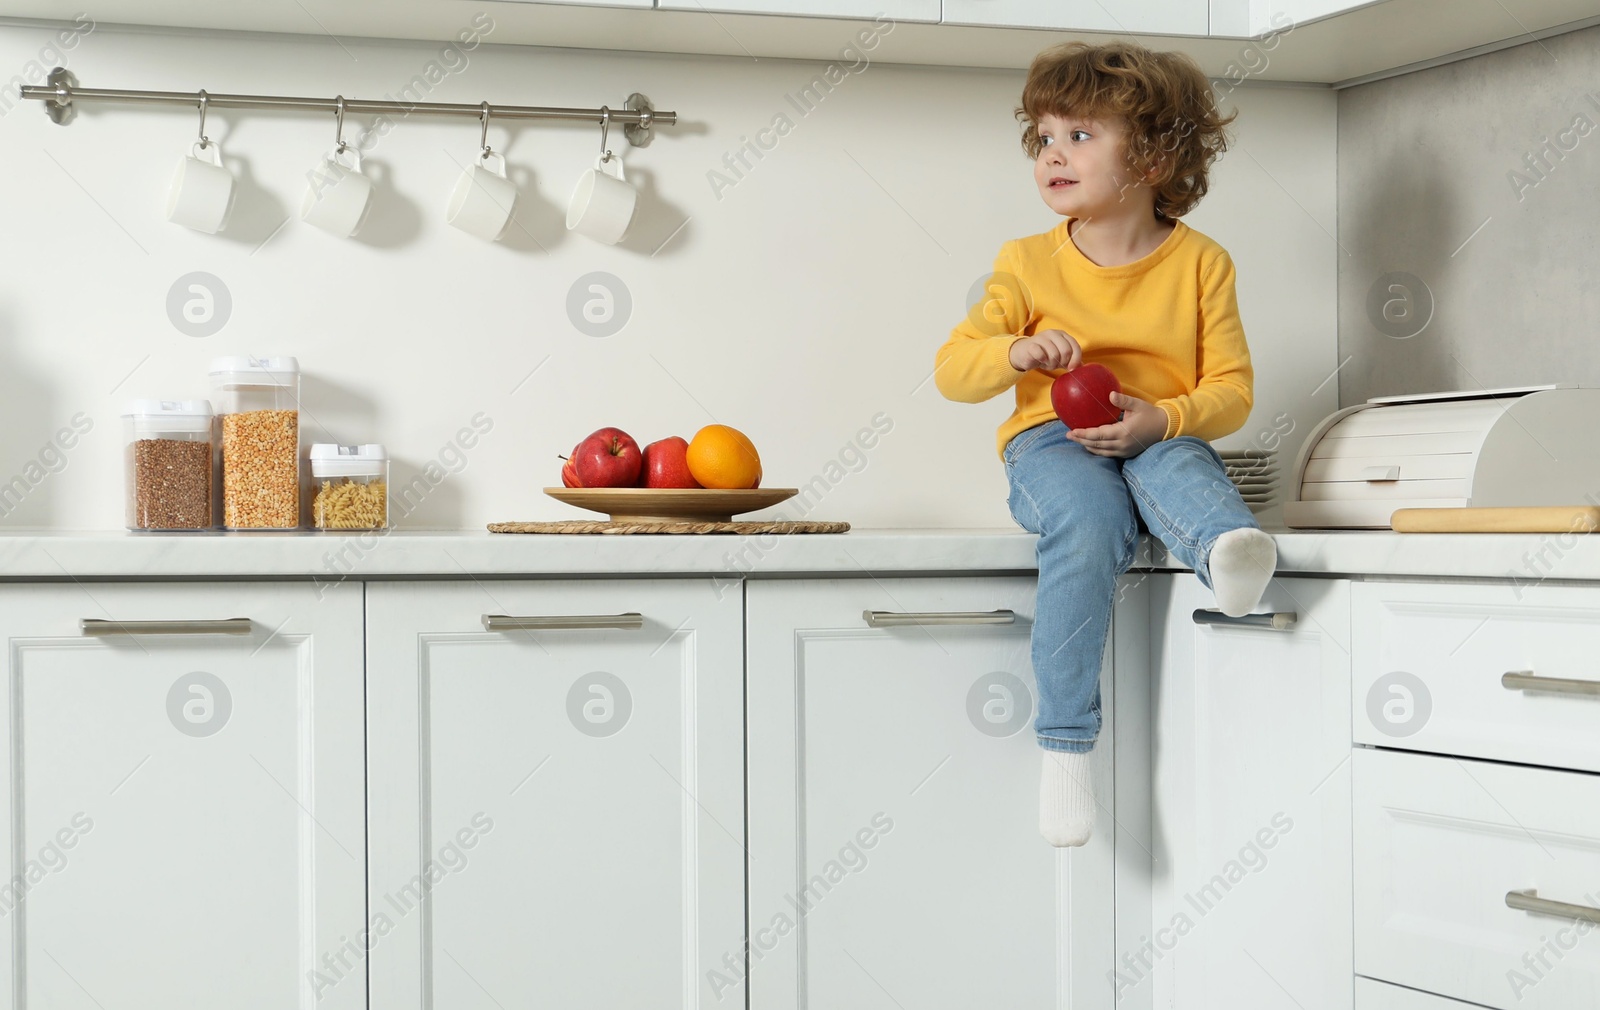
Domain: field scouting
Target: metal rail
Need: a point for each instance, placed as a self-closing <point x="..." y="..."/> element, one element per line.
<point x="637" y="117"/>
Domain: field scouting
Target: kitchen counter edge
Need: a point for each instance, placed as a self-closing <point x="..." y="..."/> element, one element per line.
<point x="58" y="554"/>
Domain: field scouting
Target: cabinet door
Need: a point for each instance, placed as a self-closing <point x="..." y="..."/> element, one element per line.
<point x="1155" y="17"/>
<point x="185" y="822"/>
<point x="1251" y="786"/>
<point x="895" y="855"/>
<point x="1265" y="15"/>
<point x="890" y="10"/>
<point x="557" y="808"/>
<point x="1257" y="18"/>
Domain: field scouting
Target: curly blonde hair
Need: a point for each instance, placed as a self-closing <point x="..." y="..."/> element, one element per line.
<point x="1174" y="128"/>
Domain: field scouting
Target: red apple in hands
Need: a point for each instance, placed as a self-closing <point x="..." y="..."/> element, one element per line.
<point x="608" y="458"/>
<point x="666" y="464"/>
<point x="1082" y="397"/>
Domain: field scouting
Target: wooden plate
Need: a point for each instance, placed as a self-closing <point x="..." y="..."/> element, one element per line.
<point x="647" y="504"/>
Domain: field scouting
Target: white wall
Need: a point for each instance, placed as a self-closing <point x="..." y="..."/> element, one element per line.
<point x="1477" y="179"/>
<point x="804" y="301"/>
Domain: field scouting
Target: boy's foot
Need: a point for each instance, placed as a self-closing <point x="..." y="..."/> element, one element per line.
<point x="1066" y="798"/>
<point x="1242" y="562"/>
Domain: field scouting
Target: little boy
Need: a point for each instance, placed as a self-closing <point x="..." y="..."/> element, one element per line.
<point x="1122" y="139"/>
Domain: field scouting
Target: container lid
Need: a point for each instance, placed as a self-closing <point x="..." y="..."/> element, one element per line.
<point x="238" y="372"/>
<point x="152" y="417"/>
<point x="331" y="460"/>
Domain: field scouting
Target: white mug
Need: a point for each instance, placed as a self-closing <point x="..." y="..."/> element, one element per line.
<point x="484" y="200"/>
<point x="602" y="204"/>
<point x="337" y="196"/>
<point x="201" y="193"/>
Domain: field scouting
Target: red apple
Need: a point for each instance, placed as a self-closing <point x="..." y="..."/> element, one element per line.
<point x="1082" y="397"/>
<point x="608" y="458"/>
<point x="569" y="473"/>
<point x="666" y="464"/>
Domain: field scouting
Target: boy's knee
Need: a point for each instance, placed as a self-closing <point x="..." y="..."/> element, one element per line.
<point x="1183" y="443"/>
<point x="1089" y="531"/>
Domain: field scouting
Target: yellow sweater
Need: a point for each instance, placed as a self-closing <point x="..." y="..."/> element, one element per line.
<point x="1166" y="325"/>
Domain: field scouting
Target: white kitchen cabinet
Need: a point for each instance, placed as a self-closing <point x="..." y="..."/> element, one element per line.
<point x="1153" y="17"/>
<point x="1490" y="670"/>
<point x="556" y="796"/>
<point x="185" y="821"/>
<point x="1265" y="14"/>
<point x="1250" y="784"/>
<point x="1257" y="18"/>
<point x="1478" y="880"/>
<point x="895" y="856"/>
<point x="891" y="10"/>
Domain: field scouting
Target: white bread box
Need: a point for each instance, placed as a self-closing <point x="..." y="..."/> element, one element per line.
<point x="1533" y="445"/>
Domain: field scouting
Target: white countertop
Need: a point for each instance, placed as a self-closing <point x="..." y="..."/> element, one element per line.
<point x="117" y="554"/>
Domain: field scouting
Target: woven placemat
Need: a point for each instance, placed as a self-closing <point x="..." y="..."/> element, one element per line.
<point x="604" y="526"/>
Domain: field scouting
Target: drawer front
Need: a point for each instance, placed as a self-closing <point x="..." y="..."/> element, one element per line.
<point x="1372" y="995"/>
<point x="1430" y="665"/>
<point x="1441" y="845"/>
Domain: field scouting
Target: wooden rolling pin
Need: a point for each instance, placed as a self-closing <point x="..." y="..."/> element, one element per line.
<point x="1518" y="519"/>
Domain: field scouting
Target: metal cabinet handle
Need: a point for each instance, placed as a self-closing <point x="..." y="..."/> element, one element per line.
<point x="896" y="619"/>
<point x="1281" y="620"/>
<point x="1527" y="680"/>
<point x="1384" y="473"/>
<point x="500" y="622"/>
<point x="95" y="627"/>
<point x="1529" y="901"/>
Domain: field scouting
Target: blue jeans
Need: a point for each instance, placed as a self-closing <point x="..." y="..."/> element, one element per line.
<point x="1088" y="511"/>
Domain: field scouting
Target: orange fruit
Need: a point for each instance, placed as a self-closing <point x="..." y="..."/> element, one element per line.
<point x="723" y="457"/>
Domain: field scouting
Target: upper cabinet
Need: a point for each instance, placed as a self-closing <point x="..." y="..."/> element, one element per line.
<point x="1339" y="42"/>
<point x="1265" y="15"/>
<point x="1259" y="17"/>
<point x="892" y="10"/>
<point x="1154" y="17"/>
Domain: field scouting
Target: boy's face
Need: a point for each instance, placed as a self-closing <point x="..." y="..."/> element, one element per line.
<point x="1088" y="155"/>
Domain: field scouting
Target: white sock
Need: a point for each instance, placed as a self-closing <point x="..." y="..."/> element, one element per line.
<point x="1242" y="562"/>
<point x="1066" y="798"/>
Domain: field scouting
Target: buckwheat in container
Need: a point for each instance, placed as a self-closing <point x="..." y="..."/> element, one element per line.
<point x="169" y="464"/>
<point x="352" y="487"/>
<point x="258" y="410"/>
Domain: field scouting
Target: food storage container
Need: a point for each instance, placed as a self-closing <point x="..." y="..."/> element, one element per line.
<point x="170" y="461"/>
<point x="258" y="407"/>
<point x="352" y="487"/>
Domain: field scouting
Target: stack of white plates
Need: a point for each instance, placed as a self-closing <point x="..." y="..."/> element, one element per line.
<point x="1254" y="472"/>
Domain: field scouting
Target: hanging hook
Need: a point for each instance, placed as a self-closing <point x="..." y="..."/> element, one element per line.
<point x="605" y="125"/>
<point x="483" y="140"/>
<point x="338" y="124"/>
<point x="204" y="100"/>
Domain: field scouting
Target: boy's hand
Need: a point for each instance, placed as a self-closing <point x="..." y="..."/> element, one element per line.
<point x="1046" y="349"/>
<point x="1143" y="424"/>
